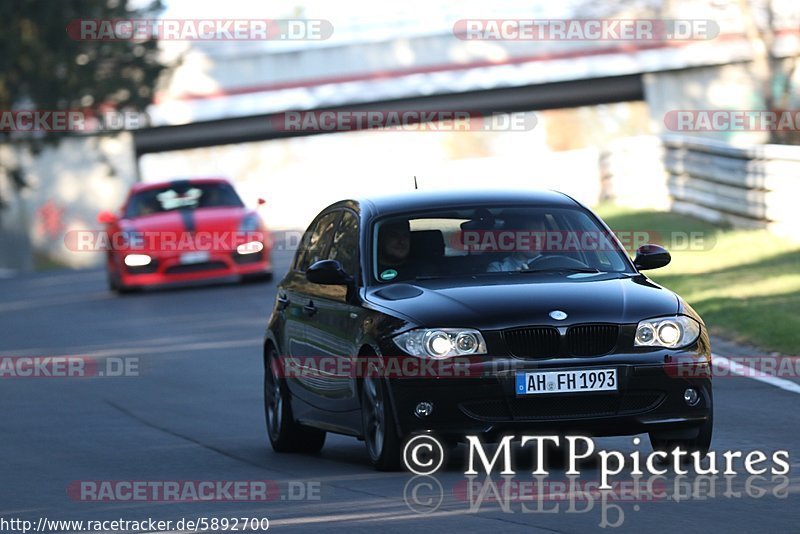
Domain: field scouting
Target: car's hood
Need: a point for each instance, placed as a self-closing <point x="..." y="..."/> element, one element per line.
<point x="190" y="220"/>
<point x="490" y="303"/>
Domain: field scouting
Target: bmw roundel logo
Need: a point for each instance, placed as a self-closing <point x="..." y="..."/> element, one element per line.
<point x="558" y="315"/>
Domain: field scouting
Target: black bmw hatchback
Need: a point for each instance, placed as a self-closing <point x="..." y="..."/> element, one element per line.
<point x="479" y="313"/>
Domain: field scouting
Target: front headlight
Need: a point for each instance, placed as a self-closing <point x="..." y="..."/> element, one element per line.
<point x="671" y="332"/>
<point x="441" y="343"/>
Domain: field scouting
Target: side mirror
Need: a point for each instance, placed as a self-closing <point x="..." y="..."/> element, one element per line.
<point x="261" y="201"/>
<point x="651" y="257"/>
<point x="328" y="272"/>
<point x="106" y="217"/>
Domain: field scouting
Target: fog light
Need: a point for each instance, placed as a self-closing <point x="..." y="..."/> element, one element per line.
<point x="691" y="396"/>
<point x="423" y="409"/>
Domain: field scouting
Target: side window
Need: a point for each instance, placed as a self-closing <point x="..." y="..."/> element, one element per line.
<point x="345" y="243"/>
<point x="316" y="241"/>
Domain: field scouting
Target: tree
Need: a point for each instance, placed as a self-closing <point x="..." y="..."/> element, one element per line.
<point x="762" y="23"/>
<point x="43" y="68"/>
<point x="773" y="74"/>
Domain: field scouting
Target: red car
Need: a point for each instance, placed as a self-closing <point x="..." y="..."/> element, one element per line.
<point x="183" y="231"/>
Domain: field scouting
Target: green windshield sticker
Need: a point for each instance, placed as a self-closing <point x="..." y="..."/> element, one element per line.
<point x="388" y="274"/>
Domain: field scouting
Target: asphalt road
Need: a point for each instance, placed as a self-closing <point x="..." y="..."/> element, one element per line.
<point x="195" y="413"/>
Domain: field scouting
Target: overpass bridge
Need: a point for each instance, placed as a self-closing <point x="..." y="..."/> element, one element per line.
<point x="232" y="92"/>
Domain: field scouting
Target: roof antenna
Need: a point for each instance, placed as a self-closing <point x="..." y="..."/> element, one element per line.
<point x="415" y="183"/>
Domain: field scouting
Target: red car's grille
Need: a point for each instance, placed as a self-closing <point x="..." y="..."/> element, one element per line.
<point x="196" y="267"/>
<point x="143" y="269"/>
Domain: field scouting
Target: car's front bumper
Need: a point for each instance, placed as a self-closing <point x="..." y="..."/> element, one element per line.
<point x="170" y="269"/>
<point x="650" y="398"/>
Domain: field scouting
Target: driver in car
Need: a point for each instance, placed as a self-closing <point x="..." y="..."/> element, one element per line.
<point x="519" y="260"/>
<point x="394" y="246"/>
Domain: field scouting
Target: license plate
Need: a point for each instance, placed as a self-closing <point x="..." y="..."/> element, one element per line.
<point x="194" y="257"/>
<point x="544" y="382"/>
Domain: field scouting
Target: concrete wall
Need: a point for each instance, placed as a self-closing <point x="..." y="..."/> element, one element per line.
<point x="754" y="187"/>
<point x="68" y="184"/>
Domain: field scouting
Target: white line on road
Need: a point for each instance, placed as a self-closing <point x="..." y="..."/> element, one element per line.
<point x="749" y="372"/>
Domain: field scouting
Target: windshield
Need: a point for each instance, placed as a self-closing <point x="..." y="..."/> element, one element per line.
<point x="508" y="240"/>
<point x="182" y="196"/>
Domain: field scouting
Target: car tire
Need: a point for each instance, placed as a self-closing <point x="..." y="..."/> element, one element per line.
<point x="285" y="434"/>
<point x="378" y="423"/>
<point x="701" y="443"/>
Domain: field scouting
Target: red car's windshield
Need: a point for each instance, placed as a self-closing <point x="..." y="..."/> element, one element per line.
<point x="182" y="196"/>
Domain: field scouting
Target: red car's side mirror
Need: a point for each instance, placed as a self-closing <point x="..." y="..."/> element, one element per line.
<point x="106" y="217"/>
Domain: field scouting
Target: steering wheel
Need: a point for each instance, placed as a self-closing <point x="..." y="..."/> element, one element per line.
<point x="555" y="261"/>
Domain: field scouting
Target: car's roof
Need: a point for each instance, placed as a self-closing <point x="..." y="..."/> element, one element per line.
<point x="424" y="200"/>
<point x="144" y="186"/>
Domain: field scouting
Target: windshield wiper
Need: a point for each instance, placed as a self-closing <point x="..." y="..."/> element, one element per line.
<point x="563" y="270"/>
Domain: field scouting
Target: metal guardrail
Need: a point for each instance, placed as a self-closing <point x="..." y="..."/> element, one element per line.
<point x="752" y="187"/>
